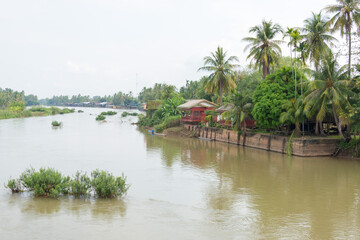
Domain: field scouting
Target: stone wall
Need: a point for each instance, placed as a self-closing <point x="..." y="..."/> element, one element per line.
<point x="300" y="147"/>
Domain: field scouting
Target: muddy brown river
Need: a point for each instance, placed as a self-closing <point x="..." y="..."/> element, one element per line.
<point x="180" y="188"/>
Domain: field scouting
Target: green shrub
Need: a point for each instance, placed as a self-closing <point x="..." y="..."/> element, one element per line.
<point x="46" y="182"/>
<point x="352" y="146"/>
<point x="109" y="113"/>
<point x="80" y="111"/>
<point x="14" y="185"/>
<point x="105" y="185"/>
<point x="169" y="122"/>
<point x="80" y="185"/>
<point x="51" y="183"/>
<point x="55" y="123"/>
<point x="100" y="117"/>
<point x="17" y="107"/>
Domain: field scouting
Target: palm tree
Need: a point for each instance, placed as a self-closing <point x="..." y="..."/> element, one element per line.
<point x="264" y="50"/>
<point x="288" y="33"/>
<point x="329" y="92"/>
<point x="240" y="107"/>
<point x="317" y="38"/>
<point x="221" y="69"/>
<point x="303" y="56"/>
<point x="347" y="13"/>
<point x="295" y="39"/>
<point x="294" y="113"/>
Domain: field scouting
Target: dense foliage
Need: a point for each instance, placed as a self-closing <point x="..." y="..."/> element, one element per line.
<point x="270" y="97"/>
<point x="48" y="182"/>
<point x="100" y="117"/>
<point x="45" y="182"/>
<point x="106" y="185"/>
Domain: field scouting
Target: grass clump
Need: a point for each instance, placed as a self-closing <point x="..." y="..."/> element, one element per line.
<point x="125" y="114"/>
<point x="80" y="111"/>
<point x="100" y="117"/>
<point x="45" y="182"/>
<point x="109" y="113"/>
<point x="56" y="124"/>
<point x="80" y="185"/>
<point x="106" y="185"/>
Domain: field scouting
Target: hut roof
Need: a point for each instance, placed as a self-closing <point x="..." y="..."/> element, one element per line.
<point x="197" y="103"/>
<point x="225" y="108"/>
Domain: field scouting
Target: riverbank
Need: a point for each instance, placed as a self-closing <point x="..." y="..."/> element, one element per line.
<point x="303" y="147"/>
<point x="33" y="112"/>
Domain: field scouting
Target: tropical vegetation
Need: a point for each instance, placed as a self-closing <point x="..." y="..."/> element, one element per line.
<point x="48" y="182"/>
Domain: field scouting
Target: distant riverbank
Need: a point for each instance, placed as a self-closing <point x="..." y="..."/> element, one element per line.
<point x="33" y="112"/>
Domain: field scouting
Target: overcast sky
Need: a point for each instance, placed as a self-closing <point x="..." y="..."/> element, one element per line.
<point x="97" y="47"/>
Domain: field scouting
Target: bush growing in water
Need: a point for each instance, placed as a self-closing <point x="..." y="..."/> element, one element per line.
<point x="125" y="114"/>
<point x="109" y="113"/>
<point x="106" y="185"/>
<point x="55" y="123"/>
<point x="14" y="185"/>
<point x="100" y="117"/>
<point x="46" y="182"/>
<point x="51" y="183"/>
<point x="80" y="185"/>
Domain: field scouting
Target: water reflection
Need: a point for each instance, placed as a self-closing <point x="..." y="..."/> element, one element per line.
<point x="283" y="196"/>
<point x="96" y="208"/>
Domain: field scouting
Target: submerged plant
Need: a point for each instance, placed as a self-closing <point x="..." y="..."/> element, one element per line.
<point x="55" y="123"/>
<point x="48" y="182"/>
<point x="109" y="113"/>
<point x="45" y="182"/>
<point x="100" y="117"/>
<point x="125" y="114"/>
<point x="80" y="185"/>
<point x="106" y="185"/>
<point x="14" y="185"/>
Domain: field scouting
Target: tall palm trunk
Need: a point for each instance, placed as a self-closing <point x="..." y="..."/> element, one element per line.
<point x="297" y="128"/>
<point x="221" y="93"/>
<point x="244" y="126"/>
<point x="264" y="70"/>
<point x="338" y="123"/>
<point x="349" y="39"/>
<point x="291" y="61"/>
<point x="321" y="128"/>
<point x="295" y="79"/>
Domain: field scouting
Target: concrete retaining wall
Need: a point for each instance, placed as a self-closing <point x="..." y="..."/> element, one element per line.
<point x="300" y="147"/>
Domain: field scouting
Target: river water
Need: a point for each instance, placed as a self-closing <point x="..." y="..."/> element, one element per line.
<point x="180" y="188"/>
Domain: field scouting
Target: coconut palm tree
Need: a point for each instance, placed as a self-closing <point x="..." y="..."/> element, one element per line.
<point x="221" y="72"/>
<point x="329" y="92"/>
<point x="295" y="39"/>
<point x="240" y="107"/>
<point x="347" y="14"/>
<point x="264" y="49"/>
<point x="302" y="58"/>
<point x="317" y="38"/>
<point x="294" y="113"/>
<point x="288" y="33"/>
